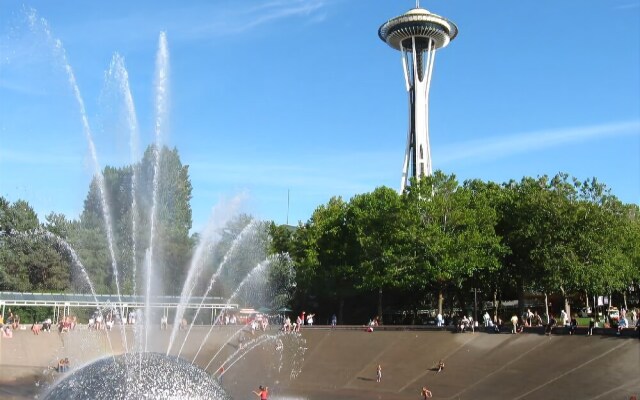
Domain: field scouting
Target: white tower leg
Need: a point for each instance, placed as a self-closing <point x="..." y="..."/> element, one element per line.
<point x="418" y="70"/>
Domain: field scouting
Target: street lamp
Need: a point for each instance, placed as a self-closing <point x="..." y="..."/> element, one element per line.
<point x="475" y="303"/>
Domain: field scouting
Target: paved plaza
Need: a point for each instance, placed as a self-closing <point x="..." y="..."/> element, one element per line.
<point x="341" y="364"/>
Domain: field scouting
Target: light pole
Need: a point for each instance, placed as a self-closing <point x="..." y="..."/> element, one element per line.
<point x="475" y="303"/>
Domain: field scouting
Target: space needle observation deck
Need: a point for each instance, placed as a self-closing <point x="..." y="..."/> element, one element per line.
<point x="417" y="34"/>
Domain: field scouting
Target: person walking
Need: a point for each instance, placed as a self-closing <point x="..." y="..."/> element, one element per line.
<point x="379" y="373"/>
<point x="440" y="366"/>
<point x="334" y="321"/>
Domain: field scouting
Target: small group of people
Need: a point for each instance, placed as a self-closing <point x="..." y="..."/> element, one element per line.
<point x="226" y="318"/>
<point x="373" y="322"/>
<point x="288" y="326"/>
<point x="260" y="322"/>
<point x="466" y="324"/>
<point x="67" y="324"/>
<point x="63" y="365"/>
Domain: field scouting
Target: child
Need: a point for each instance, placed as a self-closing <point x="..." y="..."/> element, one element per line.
<point x="263" y="393"/>
<point x="379" y="373"/>
<point x="425" y="393"/>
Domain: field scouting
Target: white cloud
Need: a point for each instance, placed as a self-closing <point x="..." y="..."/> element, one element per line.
<point x="199" y="21"/>
<point x="505" y="146"/>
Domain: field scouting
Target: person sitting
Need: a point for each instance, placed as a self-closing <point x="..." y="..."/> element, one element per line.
<point x="7" y="332"/>
<point x="16" y="322"/>
<point x="550" y="325"/>
<point x="35" y="328"/>
<point x="573" y="324"/>
<point x="622" y="324"/>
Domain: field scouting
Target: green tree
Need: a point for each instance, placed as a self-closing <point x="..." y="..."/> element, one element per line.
<point x="453" y="229"/>
<point x="379" y="241"/>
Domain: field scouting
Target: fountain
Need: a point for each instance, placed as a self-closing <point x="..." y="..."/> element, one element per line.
<point x="141" y="370"/>
<point x="161" y="377"/>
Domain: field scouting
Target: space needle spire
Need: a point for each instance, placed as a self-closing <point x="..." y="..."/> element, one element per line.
<point x="417" y="34"/>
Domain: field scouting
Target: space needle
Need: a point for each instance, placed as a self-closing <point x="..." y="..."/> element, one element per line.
<point x="417" y="33"/>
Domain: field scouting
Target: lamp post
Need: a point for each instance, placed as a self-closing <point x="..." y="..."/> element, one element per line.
<point x="475" y="303"/>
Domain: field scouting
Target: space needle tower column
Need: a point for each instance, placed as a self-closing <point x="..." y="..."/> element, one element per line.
<point x="417" y="34"/>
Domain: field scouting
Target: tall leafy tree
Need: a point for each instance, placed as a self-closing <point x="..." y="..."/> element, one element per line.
<point x="379" y="241"/>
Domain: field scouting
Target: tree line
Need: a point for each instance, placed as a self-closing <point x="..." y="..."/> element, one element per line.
<point x="383" y="252"/>
<point x="380" y="253"/>
<point x="73" y="255"/>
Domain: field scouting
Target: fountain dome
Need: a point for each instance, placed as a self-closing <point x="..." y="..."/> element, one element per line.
<point x="138" y="376"/>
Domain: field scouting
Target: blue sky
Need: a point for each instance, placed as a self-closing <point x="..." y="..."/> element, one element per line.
<point x="302" y="96"/>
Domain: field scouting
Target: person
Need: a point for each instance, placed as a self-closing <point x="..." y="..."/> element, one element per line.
<point x="440" y="366"/>
<point x="334" y="321"/>
<point x="16" y="322"/>
<point x="369" y="327"/>
<point x="7" y="332"/>
<point x="46" y="325"/>
<point x="263" y="392"/>
<point x="439" y="320"/>
<point x="622" y="324"/>
<point x="310" y="319"/>
<point x="426" y="393"/>
<point x="183" y="324"/>
<point x="299" y="322"/>
<point x="163" y="323"/>
<point x="573" y="325"/>
<point x="537" y="319"/>
<point x="464" y="323"/>
<point x="592" y="324"/>
<point x="514" y="322"/>
<point x="638" y="327"/>
<point x="35" y="328"/>
<point x="1" y="320"/>
<point x="287" y="324"/>
<point x="529" y="320"/>
<point x="564" y="318"/>
<point x="550" y="325"/>
<point x="379" y="373"/>
<point x="486" y="318"/>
